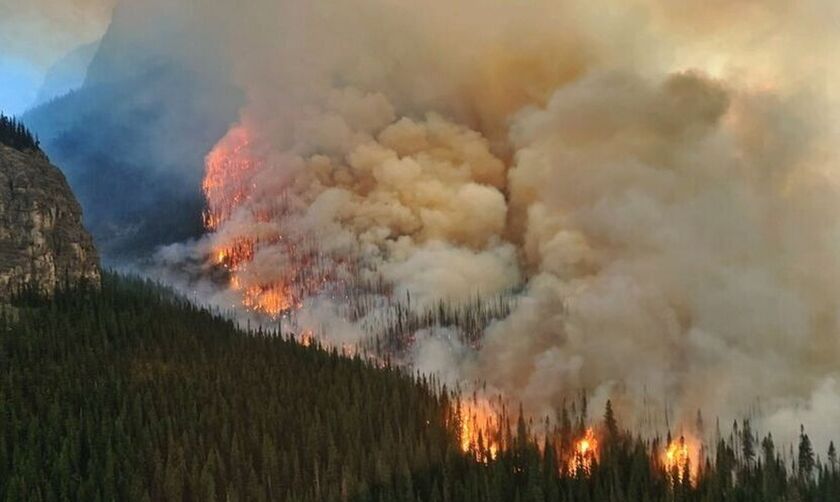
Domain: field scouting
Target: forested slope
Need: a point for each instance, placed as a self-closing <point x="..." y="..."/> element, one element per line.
<point x="131" y="393"/>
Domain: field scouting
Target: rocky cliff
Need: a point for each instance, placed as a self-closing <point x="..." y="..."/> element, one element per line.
<point x="42" y="240"/>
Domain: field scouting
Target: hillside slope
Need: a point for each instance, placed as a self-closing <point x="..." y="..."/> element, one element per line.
<point x="131" y="393"/>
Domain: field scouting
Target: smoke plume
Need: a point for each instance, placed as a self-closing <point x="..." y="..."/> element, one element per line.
<point x="23" y="26"/>
<point x="653" y="188"/>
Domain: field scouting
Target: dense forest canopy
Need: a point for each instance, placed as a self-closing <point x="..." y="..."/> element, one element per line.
<point x="131" y="393"/>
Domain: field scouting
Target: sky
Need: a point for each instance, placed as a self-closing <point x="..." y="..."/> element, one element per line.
<point x="34" y="34"/>
<point x="19" y="82"/>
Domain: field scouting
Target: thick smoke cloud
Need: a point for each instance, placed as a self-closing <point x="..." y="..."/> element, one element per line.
<point x="682" y="230"/>
<point x="41" y="31"/>
<point x="658" y="188"/>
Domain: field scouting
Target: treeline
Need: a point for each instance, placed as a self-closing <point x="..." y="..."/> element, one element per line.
<point x="619" y="466"/>
<point x="131" y="393"/>
<point x="14" y="134"/>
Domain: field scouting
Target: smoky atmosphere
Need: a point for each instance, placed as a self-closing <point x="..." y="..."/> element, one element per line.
<point x="393" y="250"/>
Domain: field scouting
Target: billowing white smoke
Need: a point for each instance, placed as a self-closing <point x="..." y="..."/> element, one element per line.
<point x="666" y="203"/>
<point x="681" y="238"/>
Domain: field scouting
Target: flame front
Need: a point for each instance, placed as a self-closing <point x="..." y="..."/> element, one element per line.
<point x="229" y="192"/>
<point x="228" y="170"/>
<point x="272" y="300"/>
<point x="479" y="431"/>
<point x="585" y="453"/>
<point x="677" y="460"/>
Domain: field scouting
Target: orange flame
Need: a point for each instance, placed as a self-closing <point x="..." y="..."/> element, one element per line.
<point x="585" y="453"/>
<point x="479" y="432"/>
<point x="233" y="255"/>
<point x="677" y="460"/>
<point x="228" y="186"/>
<point x="228" y="170"/>
<point x="271" y="300"/>
<point x="306" y="337"/>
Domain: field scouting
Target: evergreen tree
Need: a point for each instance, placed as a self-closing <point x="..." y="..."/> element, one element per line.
<point x="806" y="455"/>
<point x="747" y="442"/>
<point x="610" y="424"/>
<point x="16" y="135"/>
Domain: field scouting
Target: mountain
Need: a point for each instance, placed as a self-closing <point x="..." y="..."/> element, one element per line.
<point x="42" y="240"/>
<point x="133" y="137"/>
<point x="67" y="74"/>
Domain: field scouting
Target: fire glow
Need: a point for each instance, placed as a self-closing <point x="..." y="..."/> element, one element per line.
<point x="227" y="187"/>
<point x="227" y="178"/>
<point x="677" y="460"/>
<point x="585" y="453"/>
<point x="479" y="430"/>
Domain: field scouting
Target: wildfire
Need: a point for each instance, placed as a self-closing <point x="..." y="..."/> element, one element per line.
<point x="585" y="453"/>
<point x="234" y="255"/>
<point x="228" y="170"/>
<point x="480" y="429"/>
<point x="677" y="459"/>
<point x="306" y="337"/>
<point x="228" y="185"/>
<point x="271" y="300"/>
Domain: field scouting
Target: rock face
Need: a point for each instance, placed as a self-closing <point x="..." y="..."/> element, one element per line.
<point x="42" y="240"/>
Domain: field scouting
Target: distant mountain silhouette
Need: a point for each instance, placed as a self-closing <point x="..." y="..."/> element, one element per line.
<point x="68" y="74"/>
<point x="132" y="138"/>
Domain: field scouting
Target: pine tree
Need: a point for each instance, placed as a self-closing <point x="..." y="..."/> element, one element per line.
<point x="610" y="424"/>
<point x="806" y="455"/>
<point x="747" y="442"/>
